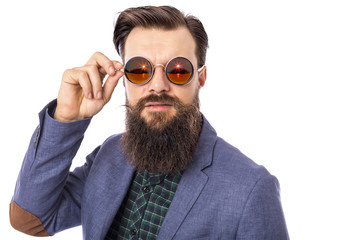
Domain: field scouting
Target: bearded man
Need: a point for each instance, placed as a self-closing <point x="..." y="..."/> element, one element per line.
<point x="168" y="176"/>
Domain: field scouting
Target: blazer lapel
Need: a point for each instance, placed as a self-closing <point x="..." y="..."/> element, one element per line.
<point x="121" y="178"/>
<point x="107" y="189"/>
<point x="191" y="184"/>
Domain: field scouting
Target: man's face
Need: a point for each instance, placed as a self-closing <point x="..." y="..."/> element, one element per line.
<point x="159" y="46"/>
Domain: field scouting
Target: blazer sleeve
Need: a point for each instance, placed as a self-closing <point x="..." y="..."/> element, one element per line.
<point x="47" y="196"/>
<point x="263" y="217"/>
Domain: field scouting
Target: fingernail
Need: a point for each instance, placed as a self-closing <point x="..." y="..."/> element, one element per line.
<point x="99" y="95"/>
<point x="90" y="95"/>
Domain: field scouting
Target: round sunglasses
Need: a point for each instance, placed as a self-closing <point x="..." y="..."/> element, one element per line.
<point x="178" y="70"/>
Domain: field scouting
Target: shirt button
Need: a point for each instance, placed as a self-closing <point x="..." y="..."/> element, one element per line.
<point x="146" y="189"/>
<point x="133" y="232"/>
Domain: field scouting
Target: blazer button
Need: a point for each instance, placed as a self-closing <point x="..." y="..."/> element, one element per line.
<point x="146" y="189"/>
<point x="133" y="232"/>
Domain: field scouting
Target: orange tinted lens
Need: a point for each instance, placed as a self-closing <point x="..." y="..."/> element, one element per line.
<point x="138" y="70"/>
<point x="179" y="70"/>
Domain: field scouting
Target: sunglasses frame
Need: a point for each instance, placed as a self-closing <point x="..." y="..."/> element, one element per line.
<point x="164" y="67"/>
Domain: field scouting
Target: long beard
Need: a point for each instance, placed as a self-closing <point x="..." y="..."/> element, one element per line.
<point x="161" y="144"/>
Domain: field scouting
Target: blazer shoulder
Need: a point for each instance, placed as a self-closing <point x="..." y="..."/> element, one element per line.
<point x="110" y="149"/>
<point x="112" y="142"/>
<point x="233" y="162"/>
<point x="113" y="138"/>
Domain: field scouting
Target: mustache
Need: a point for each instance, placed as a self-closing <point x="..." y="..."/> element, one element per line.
<point x="164" y="98"/>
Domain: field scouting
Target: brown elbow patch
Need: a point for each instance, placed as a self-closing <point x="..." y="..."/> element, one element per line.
<point x="26" y="222"/>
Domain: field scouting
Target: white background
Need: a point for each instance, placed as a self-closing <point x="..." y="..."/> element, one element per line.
<point x="283" y="87"/>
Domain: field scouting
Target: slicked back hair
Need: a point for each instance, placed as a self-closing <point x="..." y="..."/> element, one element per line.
<point x="164" y="18"/>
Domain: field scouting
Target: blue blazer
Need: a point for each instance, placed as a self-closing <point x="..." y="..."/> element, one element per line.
<point x="222" y="194"/>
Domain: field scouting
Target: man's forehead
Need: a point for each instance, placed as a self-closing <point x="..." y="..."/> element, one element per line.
<point x="160" y="45"/>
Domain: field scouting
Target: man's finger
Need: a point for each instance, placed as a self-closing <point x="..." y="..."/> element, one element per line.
<point x="79" y="77"/>
<point x="117" y="65"/>
<point x="101" y="61"/>
<point x="110" y="85"/>
<point x="95" y="79"/>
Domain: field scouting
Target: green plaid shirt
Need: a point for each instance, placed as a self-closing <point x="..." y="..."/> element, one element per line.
<point x="144" y="207"/>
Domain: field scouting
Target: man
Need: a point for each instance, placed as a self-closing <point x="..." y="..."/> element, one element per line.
<point x="168" y="176"/>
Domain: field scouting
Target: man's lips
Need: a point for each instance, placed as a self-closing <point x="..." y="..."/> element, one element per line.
<point x="157" y="106"/>
<point x="153" y="104"/>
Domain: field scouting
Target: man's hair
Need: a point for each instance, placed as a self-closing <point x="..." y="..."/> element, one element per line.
<point x="163" y="17"/>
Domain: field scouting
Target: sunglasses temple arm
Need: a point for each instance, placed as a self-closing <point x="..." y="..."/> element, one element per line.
<point x="200" y="69"/>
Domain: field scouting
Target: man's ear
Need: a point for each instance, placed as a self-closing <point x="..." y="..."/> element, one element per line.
<point x="202" y="76"/>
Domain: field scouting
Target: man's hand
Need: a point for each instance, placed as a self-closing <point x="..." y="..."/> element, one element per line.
<point x="82" y="93"/>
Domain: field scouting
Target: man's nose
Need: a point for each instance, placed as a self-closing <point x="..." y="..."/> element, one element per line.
<point x="159" y="83"/>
